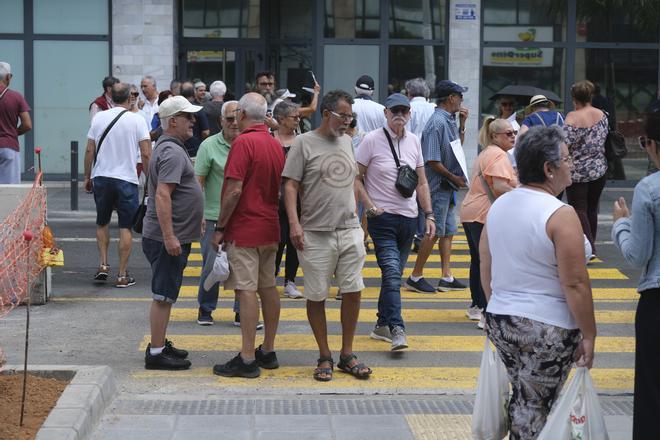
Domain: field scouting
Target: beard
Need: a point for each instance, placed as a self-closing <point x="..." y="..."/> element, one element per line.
<point x="269" y="96"/>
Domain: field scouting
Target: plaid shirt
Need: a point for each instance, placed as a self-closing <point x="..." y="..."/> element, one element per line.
<point x="439" y="132"/>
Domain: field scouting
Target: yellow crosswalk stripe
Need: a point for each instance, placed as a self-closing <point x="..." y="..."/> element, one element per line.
<point x="409" y="315"/>
<point x="599" y="294"/>
<point x="418" y="343"/>
<point x="371" y="258"/>
<point x="460" y="272"/>
<point x="391" y="378"/>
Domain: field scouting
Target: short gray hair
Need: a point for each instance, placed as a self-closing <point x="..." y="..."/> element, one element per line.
<point x="199" y="84"/>
<point x="418" y="87"/>
<point x="359" y="91"/>
<point x="218" y="88"/>
<point x="225" y="106"/>
<point x="5" y="69"/>
<point x="254" y="106"/>
<point x="284" y="109"/>
<point x="534" y="148"/>
<point x="165" y="122"/>
<point x="151" y="79"/>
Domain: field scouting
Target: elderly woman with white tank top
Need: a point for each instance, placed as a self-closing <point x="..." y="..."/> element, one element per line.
<point x="540" y="313"/>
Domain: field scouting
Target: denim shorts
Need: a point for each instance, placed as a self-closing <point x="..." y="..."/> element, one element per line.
<point x="443" y="210"/>
<point x="110" y="194"/>
<point x="166" y="269"/>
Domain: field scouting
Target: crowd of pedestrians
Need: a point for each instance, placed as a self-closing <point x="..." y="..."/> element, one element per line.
<point x="250" y="177"/>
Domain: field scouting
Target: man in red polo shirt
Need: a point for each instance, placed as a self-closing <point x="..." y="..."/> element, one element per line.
<point x="249" y="224"/>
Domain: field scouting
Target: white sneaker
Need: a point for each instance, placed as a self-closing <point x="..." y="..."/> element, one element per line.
<point x="482" y="322"/>
<point x="473" y="313"/>
<point x="292" y="291"/>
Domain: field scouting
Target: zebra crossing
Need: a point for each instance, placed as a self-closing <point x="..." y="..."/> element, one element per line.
<point x="445" y="347"/>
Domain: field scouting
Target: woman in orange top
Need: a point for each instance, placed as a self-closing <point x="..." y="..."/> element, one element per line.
<point x="492" y="176"/>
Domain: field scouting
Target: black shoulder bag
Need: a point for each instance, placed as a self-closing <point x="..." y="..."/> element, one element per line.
<point x="615" y="144"/>
<point x="406" y="178"/>
<point x="105" y="133"/>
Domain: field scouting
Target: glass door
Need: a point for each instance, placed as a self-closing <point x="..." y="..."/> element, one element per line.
<point x="236" y="67"/>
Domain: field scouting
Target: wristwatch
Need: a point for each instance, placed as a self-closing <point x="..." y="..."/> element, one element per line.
<point x="371" y="212"/>
<point x="461" y="130"/>
<point x="219" y="229"/>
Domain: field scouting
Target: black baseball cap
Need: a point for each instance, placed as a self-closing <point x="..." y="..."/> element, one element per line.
<point x="365" y="82"/>
<point x="445" y="88"/>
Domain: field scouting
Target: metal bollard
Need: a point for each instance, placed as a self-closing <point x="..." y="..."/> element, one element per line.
<point x="74" y="175"/>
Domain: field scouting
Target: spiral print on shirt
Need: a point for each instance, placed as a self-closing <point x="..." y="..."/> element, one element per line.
<point x="337" y="170"/>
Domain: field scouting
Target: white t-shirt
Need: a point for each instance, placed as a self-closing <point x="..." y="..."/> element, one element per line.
<point x="524" y="276"/>
<point x="375" y="154"/>
<point x="370" y="114"/>
<point x="117" y="157"/>
<point x="149" y="110"/>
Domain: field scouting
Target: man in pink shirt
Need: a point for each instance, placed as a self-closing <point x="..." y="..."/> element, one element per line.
<point x="12" y="109"/>
<point x="392" y="217"/>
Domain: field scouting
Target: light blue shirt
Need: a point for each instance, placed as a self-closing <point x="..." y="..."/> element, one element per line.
<point x="421" y="111"/>
<point x="638" y="237"/>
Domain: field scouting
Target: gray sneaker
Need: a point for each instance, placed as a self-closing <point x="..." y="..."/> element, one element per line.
<point x="381" y="333"/>
<point x="398" y="338"/>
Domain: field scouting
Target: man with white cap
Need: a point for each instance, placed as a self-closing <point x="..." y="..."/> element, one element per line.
<point x="172" y="222"/>
<point x="370" y="114"/>
<point x="392" y="216"/>
<point x="13" y="107"/>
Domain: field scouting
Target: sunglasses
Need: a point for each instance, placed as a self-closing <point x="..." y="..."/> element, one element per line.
<point x="266" y="84"/>
<point x="400" y="110"/>
<point x="507" y="104"/>
<point x="509" y="133"/>
<point x="135" y="94"/>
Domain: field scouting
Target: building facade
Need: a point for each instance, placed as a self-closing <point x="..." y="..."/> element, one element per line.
<point x="60" y="51"/>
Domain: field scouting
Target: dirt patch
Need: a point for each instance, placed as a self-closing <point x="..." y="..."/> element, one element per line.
<point x="41" y="397"/>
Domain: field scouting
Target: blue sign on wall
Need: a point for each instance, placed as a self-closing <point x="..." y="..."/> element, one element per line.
<point x="465" y="11"/>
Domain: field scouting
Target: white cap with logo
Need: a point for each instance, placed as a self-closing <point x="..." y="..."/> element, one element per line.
<point x="176" y="104"/>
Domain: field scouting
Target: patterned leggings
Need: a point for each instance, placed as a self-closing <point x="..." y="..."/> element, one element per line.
<point x="538" y="358"/>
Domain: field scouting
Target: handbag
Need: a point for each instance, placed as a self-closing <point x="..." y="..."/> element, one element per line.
<point x="615" y="144"/>
<point x="490" y="419"/>
<point x="138" y="219"/>
<point x="406" y="178"/>
<point x="577" y="414"/>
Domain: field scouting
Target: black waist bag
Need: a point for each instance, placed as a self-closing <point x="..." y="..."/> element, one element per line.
<point x="406" y="178"/>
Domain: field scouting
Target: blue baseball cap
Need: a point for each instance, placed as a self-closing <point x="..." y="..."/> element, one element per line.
<point x="397" y="100"/>
<point x="445" y="88"/>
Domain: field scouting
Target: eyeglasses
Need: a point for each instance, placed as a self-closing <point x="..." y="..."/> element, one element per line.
<point x="343" y="117"/>
<point x="186" y="115"/>
<point x="135" y="94"/>
<point x="294" y="116"/>
<point x="230" y="119"/>
<point x="509" y="133"/>
<point x="400" y="110"/>
<point x="266" y="84"/>
<point x="567" y="159"/>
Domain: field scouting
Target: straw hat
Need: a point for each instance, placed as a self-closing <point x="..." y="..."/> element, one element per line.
<point x="539" y="99"/>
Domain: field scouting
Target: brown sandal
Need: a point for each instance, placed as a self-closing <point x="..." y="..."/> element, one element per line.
<point x="324" y="374"/>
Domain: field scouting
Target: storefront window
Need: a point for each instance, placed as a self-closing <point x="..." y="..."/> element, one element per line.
<point x="292" y="64"/>
<point x="424" y="19"/>
<point x="221" y="19"/>
<point x="290" y="18"/>
<point x="11" y="19"/>
<point x="71" y="17"/>
<point x="539" y="67"/>
<point x="524" y="21"/>
<point x="352" y="18"/>
<point x="599" y="21"/>
<point x="210" y="65"/>
<point x="408" y="62"/>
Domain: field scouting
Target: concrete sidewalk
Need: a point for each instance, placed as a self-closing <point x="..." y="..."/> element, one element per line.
<point x="325" y="417"/>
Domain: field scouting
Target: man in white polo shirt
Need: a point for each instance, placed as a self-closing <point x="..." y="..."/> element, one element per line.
<point x="369" y="113"/>
<point x="113" y="142"/>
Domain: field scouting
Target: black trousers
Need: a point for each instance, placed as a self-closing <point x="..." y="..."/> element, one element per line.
<point x="585" y="197"/>
<point x="291" y="264"/>
<point x="473" y="235"/>
<point x="647" y="363"/>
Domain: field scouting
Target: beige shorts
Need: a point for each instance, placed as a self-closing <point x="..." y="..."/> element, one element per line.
<point x="337" y="253"/>
<point x="252" y="268"/>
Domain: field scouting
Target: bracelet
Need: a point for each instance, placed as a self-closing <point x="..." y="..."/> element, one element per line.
<point x="461" y="130"/>
<point x="430" y="217"/>
<point x="219" y="229"/>
<point x="429" y="214"/>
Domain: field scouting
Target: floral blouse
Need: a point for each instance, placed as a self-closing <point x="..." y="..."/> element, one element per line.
<point x="587" y="148"/>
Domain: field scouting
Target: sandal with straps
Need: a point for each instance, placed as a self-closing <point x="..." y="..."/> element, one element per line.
<point x="324" y="374"/>
<point x="355" y="370"/>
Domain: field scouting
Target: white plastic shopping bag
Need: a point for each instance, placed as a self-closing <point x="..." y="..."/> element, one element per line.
<point x="220" y="271"/>
<point x="490" y="419"/>
<point x="576" y="415"/>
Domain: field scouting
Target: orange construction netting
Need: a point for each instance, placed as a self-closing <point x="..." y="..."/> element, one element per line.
<point x="20" y="261"/>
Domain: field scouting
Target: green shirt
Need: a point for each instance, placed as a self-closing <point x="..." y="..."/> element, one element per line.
<point x="210" y="163"/>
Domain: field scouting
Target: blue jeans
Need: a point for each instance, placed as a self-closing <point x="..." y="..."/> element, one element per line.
<point x="10" y="166"/>
<point x="208" y="300"/>
<point x="392" y="235"/>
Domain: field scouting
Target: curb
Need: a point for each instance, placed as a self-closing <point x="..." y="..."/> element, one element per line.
<point x="82" y="403"/>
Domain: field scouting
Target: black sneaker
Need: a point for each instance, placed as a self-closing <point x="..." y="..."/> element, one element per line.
<point x="446" y="286"/>
<point x="204" y="318"/>
<point x="163" y="361"/>
<point x="171" y="350"/>
<point x="266" y="360"/>
<point x="237" y="368"/>
<point x="237" y="322"/>
<point x="421" y="285"/>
